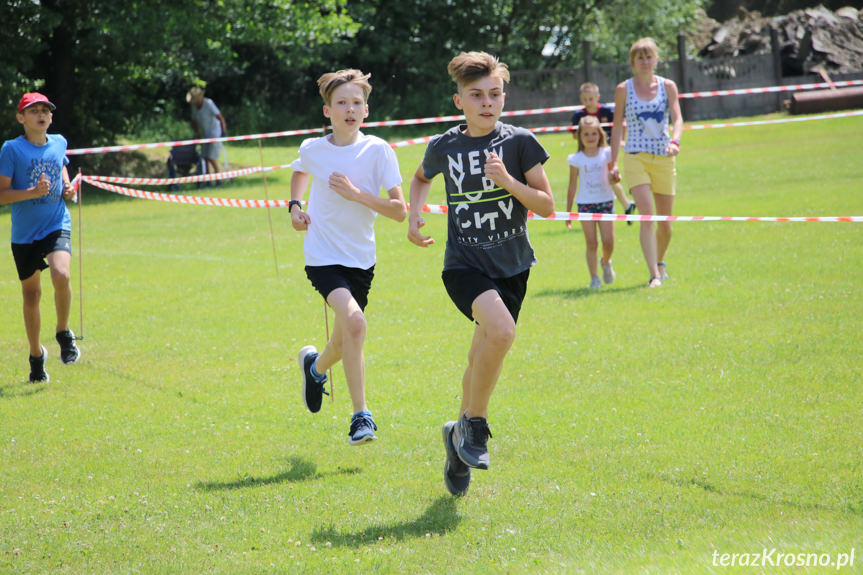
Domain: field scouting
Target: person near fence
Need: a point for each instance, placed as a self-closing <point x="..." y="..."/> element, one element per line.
<point x="589" y="178"/>
<point x="207" y="122"/>
<point x="348" y="170"/>
<point x="493" y="174"/>
<point x="591" y="106"/>
<point x="35" y="180"/>
<point x="649" y="161"/>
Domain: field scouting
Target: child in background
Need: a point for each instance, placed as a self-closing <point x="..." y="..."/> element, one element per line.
<point x="595" y="195"/>
<point x="493" y="175"/>
<point x="604" y="113"/>
<point x="349" y="169"/>
<point x="34" y="179"/>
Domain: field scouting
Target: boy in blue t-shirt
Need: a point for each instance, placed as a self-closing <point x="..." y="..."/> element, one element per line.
<point x="34" y="179"/>
<point x="493" y="175"/>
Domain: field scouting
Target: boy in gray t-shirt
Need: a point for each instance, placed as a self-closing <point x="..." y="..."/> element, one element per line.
<point x="494" y="175"/>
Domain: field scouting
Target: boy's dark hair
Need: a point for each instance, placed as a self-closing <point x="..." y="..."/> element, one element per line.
<point x="469" y="67"/>
<point x="328" y="83"/>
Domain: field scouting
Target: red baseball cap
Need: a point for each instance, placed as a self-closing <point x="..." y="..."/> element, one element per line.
<point x="31" y="98"/>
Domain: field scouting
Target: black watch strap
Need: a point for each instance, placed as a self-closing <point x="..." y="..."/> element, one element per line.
<point x="291" y="204"/>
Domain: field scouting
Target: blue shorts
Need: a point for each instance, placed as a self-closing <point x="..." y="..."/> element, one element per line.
<point x="30" y="258"/>
<point x="358" y="281"/>
<point x="465" y="285"/>
<point x="598" y="208"/>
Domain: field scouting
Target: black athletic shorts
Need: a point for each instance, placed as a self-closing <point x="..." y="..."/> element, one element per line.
<point x="30" y="258"/>
<point x="357" y="281"/>
<point x="465" y="285"/>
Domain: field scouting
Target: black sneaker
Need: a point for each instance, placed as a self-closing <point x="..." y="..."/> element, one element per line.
<point x="471" y="448"/>
<point x="313" y="387"/>
<point x="456" y="475"/>
<point x="37" y="368"/>
<point x="630" y="209"/>
<point x="69" y="352"/>
<point x="362" y="428"/>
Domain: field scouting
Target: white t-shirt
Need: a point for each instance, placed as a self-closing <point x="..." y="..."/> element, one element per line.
<point x="342" y="232"/>
<point x="593" y="184"/>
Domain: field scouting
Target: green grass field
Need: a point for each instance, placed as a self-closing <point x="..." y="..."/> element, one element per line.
<point x="635" y="431"/>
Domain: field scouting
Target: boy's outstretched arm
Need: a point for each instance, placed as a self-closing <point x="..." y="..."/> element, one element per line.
<point x="535" y="196"/>
<point x="420" y="186"/>
<point x="392" y="206"/>
<point x="10" y="196"/>
<point x="299" y="182"/>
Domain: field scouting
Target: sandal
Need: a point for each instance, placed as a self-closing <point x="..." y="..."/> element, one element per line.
<point x="663" y="270"/>
<point x="654" y="282"/>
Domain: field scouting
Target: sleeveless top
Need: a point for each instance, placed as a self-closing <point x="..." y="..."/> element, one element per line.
<point x="647" y="121"/>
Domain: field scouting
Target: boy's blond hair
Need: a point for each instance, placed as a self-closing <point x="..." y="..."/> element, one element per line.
<point x="643" y="46"/>
<point x="328" y="83"/>
<point x="590" y="122"/>
<point x="468" y="67"/>
<point x="589" y="88"/>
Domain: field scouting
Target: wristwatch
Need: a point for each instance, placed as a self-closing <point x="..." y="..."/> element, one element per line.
<point x="291" y="205"/>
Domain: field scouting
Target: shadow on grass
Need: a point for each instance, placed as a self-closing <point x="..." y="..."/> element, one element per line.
<point x="575" y="293"/>
<point x="438" y="519"/>
<point x="22" y="390"/>
<point x="300" y="470"/>
<point x="760" y="497"/>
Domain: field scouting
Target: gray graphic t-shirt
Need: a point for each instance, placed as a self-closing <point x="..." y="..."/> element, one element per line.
<point x="487" y="226"/>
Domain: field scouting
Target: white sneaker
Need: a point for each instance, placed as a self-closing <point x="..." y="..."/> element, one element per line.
<point x="608" y="274"/>
<point x="595" y="283"/>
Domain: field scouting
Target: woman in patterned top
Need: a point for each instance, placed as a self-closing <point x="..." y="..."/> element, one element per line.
<point x="649" y="161"/>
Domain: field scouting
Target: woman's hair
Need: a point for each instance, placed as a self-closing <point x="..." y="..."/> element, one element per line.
<point x="643" y="46"/>
<point x="590" y="122"/>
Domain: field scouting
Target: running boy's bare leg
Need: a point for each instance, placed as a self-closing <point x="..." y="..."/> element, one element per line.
<point x="31" y="291"/>
<point x="346" y="344"/>
<point x="493" y="337"/>
<point x="59" y="262"/>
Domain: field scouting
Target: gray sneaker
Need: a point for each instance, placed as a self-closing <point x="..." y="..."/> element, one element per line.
<point x="456" y="475"/>
<point x="608" y="274"/>
<point x="37" y="368"/>
<point x="313" y="387"/>
<point x="595" y="283"/>
<point x="362" y="428"/>
<point x="471" y="447"/>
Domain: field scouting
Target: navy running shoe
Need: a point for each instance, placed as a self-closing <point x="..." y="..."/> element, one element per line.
<point x="362" y="428"/>
<point x="471" y="447"/>
<point x="456" y="475"/>
<point x="313" y="387"/>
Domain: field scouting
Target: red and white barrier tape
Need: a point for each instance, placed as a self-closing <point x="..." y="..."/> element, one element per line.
<point x="457" y="118"/>
<point x="180" y="199"/>
<point x="583" y="217"/>
<point x="439" y="209"/>
<point x="186" y="179"/>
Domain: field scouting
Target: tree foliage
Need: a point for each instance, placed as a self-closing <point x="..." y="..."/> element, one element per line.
<point x="113" y="66"/>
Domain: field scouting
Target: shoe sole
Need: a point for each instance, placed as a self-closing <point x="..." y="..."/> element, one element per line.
<point x="301" y="359"/>
<point x="451" y="454"/>
<point x="363" y="440"/>
<point x="77" y="357"/>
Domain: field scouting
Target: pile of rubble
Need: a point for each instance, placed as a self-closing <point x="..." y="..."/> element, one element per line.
<point x="811" y="40"/>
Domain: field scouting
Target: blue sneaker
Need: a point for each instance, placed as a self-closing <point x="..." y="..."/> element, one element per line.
<point x="313" y="387"/>
<point x="471" y="447"/>
<point x="362" y="428"/>
<point x="456" y="475"/>
<point x="37" y="368"/>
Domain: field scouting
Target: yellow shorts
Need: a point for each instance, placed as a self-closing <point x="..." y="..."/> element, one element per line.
<point x="660" y="172"/>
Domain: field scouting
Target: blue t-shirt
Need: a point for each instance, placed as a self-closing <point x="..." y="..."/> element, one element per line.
<point x="487" y="226"/>
<point x="25" y="163"/>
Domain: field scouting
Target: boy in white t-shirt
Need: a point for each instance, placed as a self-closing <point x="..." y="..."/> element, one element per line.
<point x="348" y="170"/>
